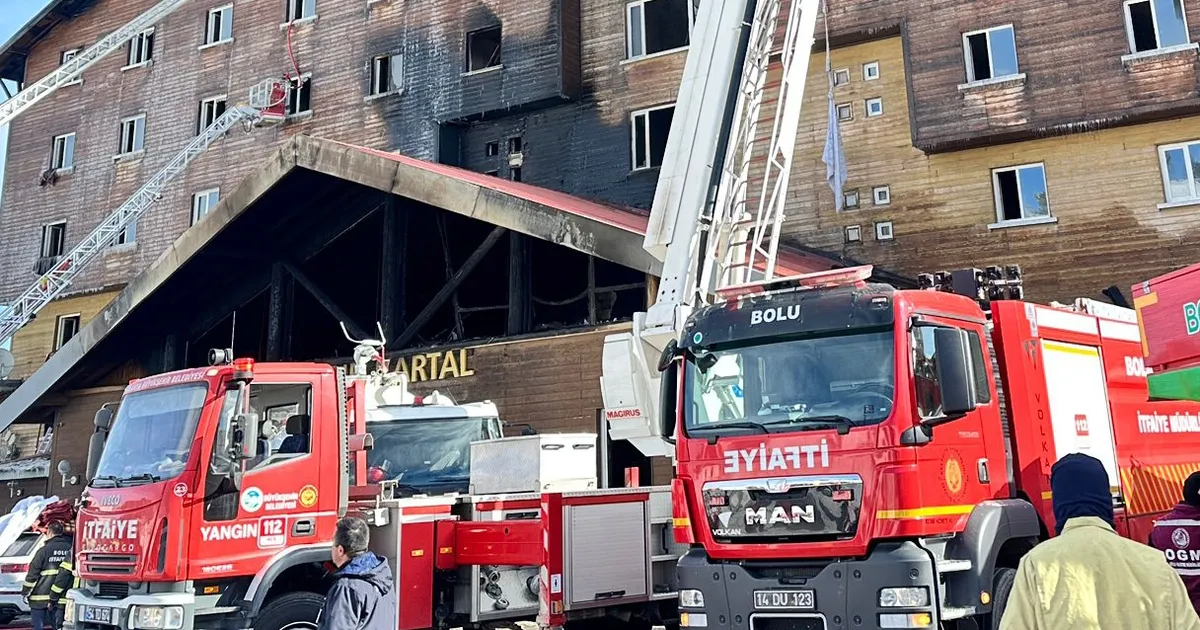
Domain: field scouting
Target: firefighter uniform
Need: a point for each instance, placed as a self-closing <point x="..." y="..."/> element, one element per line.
<point x="50" y="576"/>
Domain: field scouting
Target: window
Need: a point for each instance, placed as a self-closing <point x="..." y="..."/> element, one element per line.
<point x="853" y="233"/>
<point x="882" y="195"/>
<point x="1155" y="24"/>
<point x="841" y="77"/>
<point x="1021" y="192"/>
<point x="65" y="329"/>
<point x="870" y="71"/>
<point x="133" y="135"/>
<point x="883" y="231"/>
<point x="874" y="107"/>
<point x="219" y="27"/>
<point x="62" y="152"/>
<point x="203" y="202"/>
<point x="54" y="239"/>
<point x="990" y="53"/>
<point x="845" y="111"/>
<point x="515" y="144"/>
<point x="286" y="424"/>
<point x="210" y="110"/>
<point x="483" y="49"/>
<point x="66" y="56"/>
<point x="514" y="173"/>
<point x="299" y="100"/>
<point x="850" y="199"/>
<point x="655" y="26"/>
<point x="387" y="72"/>
<point x="1181" y="171"/>
<point x="492" y="149"/>
<point x="300" y="10"/>
<point x="650" y="129"/>
<point x="128" y="236"/>
<point x="141" y="49"/>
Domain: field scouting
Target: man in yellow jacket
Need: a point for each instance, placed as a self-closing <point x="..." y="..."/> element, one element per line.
<point x="1088" y="577"/>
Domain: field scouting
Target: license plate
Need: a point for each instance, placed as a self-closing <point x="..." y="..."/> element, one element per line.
<point x="96" y="614"/>
<point x="783" y="600"/>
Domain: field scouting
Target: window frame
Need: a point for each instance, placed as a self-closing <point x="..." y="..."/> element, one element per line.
<point x="395" y="79"/>
<point x="312" y="420"/>
<point x="867" y="106"/>
<point x="137" y="149"/>
<point x="866" y="74"/>
<point x="633" y="116"/>
<point x="881" y="227"/>
<point x="292" y="88"/>
<point x="54" y="153"/>
<point x="968" y="57"/>
<point x="467" y="49"/>
<point x="219" y="98"/>
<point x="126" y="237"/>
<point x="58" y="328"/>
<point x="997" y="196"/>
<point x="46" y="227"/>
<point x="147" y="39"/>
<point x="641" y="4"/>
<point x="63" y="59"/>
<point x="205" y="194"/>
<point x="841" y="72"/>
<point x="226" y="13"/>
<point x="1158" y="47"/>
<point x="1192" y="174"/>
<point x="846" y="107"/>
<point x="292" y="15"/>
<point x="887" y="195"/>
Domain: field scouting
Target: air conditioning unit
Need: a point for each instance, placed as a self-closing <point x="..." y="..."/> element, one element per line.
<point x="516" y="160"/>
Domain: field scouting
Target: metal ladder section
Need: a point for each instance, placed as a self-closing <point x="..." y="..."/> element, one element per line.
<point x="71" y="70"/>
<point x="53" y="282"/>
<point x="744" y="245"/>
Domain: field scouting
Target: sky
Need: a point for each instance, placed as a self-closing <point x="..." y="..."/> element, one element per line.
<point x="13" y="16"/>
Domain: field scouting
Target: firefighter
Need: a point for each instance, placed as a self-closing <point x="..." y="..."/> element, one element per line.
<point x="1177" y="535"/>
<point x="49" y="577"/>
<point x="1088" y="577"/>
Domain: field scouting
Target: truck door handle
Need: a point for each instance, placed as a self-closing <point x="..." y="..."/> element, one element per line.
<point x="303" y="527"/>
<point x="983" y="471"/>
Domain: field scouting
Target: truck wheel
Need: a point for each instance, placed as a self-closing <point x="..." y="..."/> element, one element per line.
<point x="1002" y="585"/>
<point x="290" y="611"/>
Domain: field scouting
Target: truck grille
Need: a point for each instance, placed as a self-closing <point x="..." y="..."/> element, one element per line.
<point x="786" y="623"/>
<point x="112" y="590"/>
<point x="784" y="508"/>
<point x="115" y="564"/>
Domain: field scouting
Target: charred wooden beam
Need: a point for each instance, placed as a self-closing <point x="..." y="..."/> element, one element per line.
<point x="325" y="301"/>
<point x="393" y="284"/>
<point x="279" y="309"/>
<point x="451" y="285"/>
<point x="520" y="285"/>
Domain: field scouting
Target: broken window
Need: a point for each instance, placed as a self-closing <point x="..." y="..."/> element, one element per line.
<point x="492" y="149"/>
<point x="990" y="53"/>
<point x="515" y="144"/>
<point x="54" y="239"/>
<point x="1021" y="193"/>
<point x="483" y="49"/>
<point x="210" y="110"/>
<point x="141" y="49"/>
<point x="386" y="74"/>
<point x="133" y="135"/>
<point x="65" y="329"/>
<point x="203" y="202"/>
<point x="650" y="129"/>
<point x="514" y="173"/>
<point x="1181" y="171"/>
<point x="219" y="27"/>
<point x="127" y="236"/>
<point x="62" y="152"/>
<point x="1155" y="24"/>
<point x="300" y="9"/>
<point x="299" y="99"/>
<point x="654" y="26"/>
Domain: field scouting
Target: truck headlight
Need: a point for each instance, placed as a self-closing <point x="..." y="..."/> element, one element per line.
<point x="156" y="617"/>
<point x="904" y="597"/>
<point x="691" y="598"/>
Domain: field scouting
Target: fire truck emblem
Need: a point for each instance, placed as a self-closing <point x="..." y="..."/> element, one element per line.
<point x="308" y="496"/>
<point x="776" y="486"/>
<point x="1181" y="538"/>
<point x="953" y="476"/>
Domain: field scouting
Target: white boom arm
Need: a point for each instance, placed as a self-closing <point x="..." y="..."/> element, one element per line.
<point x="699" y="224"/>
<point x="71" y="70"/>
<point x="266" y="96"/>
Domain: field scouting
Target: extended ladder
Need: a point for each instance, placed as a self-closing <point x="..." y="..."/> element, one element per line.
<point x="266" y="106"/>
<point x="75" y="66"/>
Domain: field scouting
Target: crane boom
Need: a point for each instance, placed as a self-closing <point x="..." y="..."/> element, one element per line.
<point x="75" y="66"/>
<point x="265" y="107"/>
<point x="700" y="223"/>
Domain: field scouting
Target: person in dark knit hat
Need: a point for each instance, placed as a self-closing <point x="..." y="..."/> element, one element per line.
<point x="1177" y="535"/>
<point x="1088" y="577"/>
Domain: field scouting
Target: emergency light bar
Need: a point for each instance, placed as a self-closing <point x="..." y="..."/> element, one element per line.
<point x="984" y="286"/>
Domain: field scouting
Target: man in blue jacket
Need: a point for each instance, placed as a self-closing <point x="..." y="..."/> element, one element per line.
<point x="363" y="594"/>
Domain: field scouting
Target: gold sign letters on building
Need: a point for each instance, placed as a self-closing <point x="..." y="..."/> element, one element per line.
<point x="435" y="366"/>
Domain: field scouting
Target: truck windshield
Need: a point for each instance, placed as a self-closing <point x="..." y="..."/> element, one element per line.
<point x="426" y="455"/>
<point x="839" y="381"/>
<point x="152" y="435"/>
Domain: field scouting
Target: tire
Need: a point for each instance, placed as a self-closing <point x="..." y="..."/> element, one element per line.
<point x="290" y="611"/>
<point x="7" y="618"/>
<point x="1002" y="585"/>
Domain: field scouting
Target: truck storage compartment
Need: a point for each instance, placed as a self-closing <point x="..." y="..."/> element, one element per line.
<point x="559" y="462"/>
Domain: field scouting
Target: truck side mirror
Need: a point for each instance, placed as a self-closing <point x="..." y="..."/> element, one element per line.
<point x="103" y="422"/>
<point x="955" y="380"/>
<point x="668" y="405"/>
<point x="246" y="434"/>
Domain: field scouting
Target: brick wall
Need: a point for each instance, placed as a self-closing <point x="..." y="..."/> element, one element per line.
<point x="1104" y="189"/>
<point x="33" y="343"/>
<point x="581" y="146"/>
